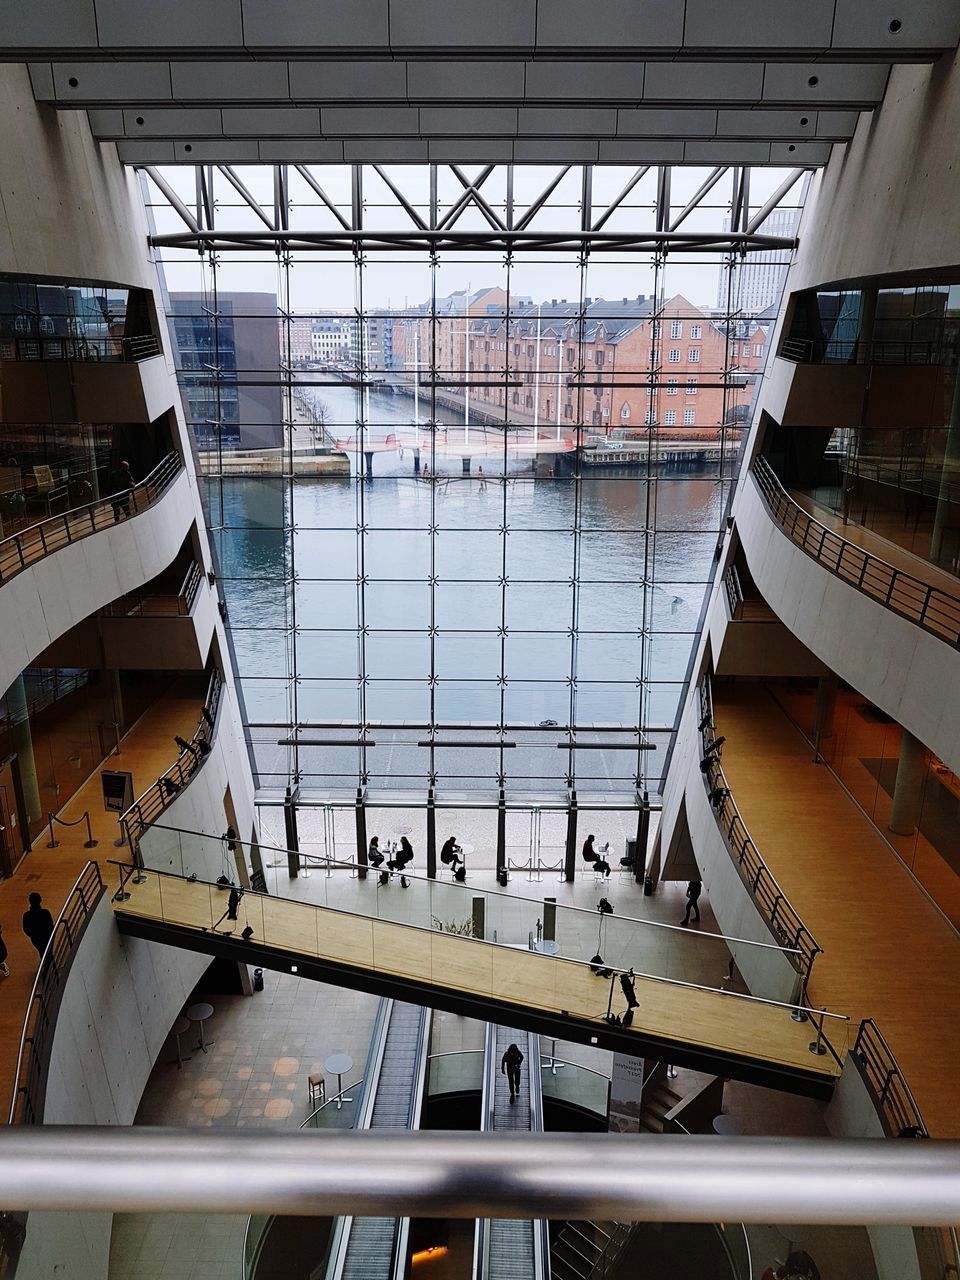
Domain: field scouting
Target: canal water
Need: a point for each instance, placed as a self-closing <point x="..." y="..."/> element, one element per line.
<point x="464" y="600"/>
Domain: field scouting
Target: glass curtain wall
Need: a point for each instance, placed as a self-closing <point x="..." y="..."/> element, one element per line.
<point x="478" y="559"/>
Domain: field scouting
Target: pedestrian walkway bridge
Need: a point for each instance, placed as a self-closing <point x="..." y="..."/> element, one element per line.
<point x="704" y="1028"/>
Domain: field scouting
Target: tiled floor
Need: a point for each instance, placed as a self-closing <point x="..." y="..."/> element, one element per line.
<point x="255" y="1075"/>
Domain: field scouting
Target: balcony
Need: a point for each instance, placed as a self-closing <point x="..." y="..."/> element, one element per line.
<point x="28" y="546"/>
<point x="165" y="628"/>
<point x="134" y="348"/>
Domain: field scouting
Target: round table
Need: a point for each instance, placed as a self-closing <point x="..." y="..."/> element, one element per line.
<point x="338" y="1064"/>
<point x="728" y="1125"/>
<point x="181" y="1027"/>
<point x="200" y="1013"/>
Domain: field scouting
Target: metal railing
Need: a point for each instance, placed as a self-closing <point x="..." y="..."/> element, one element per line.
<point x="663" y="1178"/>
<point x="29" y="545"/>
<point x="154" y="604"/>
<point x="864" y="351"/>
<point x="934" y="610"/>
<point x="783" y="921"/>
<point x="743" y="609"/>
<point x="895" y="1104"/>
<point x="148" y="806"/>
<point x="33" y="1059"/>
<point x="137" y="347"/>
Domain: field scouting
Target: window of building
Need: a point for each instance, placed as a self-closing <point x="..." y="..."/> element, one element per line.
<point x="758" y="348"/>
<point x="654" y="355"/>
<point x="671" y="386"/>
<point x="696" y="331"/>
<point x="625" y="411"/>
<point x="691" y="386"/>
<point x="676" y="328"/>
<point x="670" y="418"/>
<point x="589" y="354"/>
<point x="655" y="329"/>
<point x="673" y="356"/>
<point x="693" y="355"/>
<point x="734" y="350"/>
<point x="650" y="418"/>
<point x="689" y="417"/>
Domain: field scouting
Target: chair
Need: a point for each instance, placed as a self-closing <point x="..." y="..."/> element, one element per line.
<point x="318" y="1088"/>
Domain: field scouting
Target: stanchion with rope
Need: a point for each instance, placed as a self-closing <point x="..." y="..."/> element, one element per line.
<point x="52" y="843"/>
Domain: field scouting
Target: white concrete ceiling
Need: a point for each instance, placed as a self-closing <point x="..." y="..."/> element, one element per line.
<point x="612" y="81"/>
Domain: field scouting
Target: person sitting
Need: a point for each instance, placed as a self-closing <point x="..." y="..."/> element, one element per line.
<point x="590" y="855"/>
<point x="450" y="853"/>
<point x="374" y="856"/>
<point x="400" y="859"/>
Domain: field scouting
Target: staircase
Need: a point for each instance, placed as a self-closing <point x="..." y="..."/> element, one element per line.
<point x="587" y="1250"/>
<point x="658" y="1099"/>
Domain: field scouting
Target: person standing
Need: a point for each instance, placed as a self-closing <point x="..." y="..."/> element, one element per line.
<point x="510" y="1067"/>
<point x="121" y="483"/>
<point x="4" y="967"/>
<point x="38" y="923"/>
<point x="694" y="889"/>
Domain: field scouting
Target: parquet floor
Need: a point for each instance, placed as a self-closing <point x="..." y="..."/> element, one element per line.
<point x="888" y="953"/>
<point x="146" y="751"/>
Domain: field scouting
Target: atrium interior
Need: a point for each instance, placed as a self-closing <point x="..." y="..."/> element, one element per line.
<point x="479" y="630"/>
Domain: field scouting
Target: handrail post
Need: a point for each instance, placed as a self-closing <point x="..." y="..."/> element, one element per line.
<point x="90" y="842"/>
<point x="51" y="843"/>
<point x="817" y="1046"/>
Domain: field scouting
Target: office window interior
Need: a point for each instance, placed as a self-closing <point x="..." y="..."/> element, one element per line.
<point x="49" y="468"/>
<point x="58" y="320"/>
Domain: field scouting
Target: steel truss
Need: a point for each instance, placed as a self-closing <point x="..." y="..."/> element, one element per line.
<point x="510" y="227"/>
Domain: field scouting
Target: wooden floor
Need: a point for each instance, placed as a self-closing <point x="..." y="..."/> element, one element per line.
<point x="888" y="953"/>
<point x="725" y="1022"/>
<point x="146" y="751"/>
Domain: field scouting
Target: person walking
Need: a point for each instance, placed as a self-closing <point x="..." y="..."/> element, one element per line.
<point x="38" y="923"/>
<point x="694" y="889"/>
<point x="510" y="1067"/>
<point x="4" y="967"/>
<point x="121" y="483"/>
<point x="233" y="902"/>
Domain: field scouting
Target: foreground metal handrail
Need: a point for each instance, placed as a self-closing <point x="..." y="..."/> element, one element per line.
<point x="664" y="1178"/>
<point x="19" y="551"/>
<point x="771" y="901"/>
<point x="151" y="803"/>
<point x="33" y="1058"/>
<point x="935" y="610"/>
<point x="892" y="1098"/>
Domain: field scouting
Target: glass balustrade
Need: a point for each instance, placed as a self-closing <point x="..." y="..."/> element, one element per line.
<point x="468" y="910"/>
<point x="568" y="1082"/>
<point x="457" y="1072"/>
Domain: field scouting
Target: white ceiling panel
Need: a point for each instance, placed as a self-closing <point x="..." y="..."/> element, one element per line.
<point x="758" y="24"/>
<point x="492" y="121"/>
<point x="642" y="151"/>
<point x="303" y="151"/>
<point x="667" y="121"/>
<point x="584" y="80"/>
<point x="276" y="122"/>
<point x="438" y="24"/>
<point x="766" y="124"/>
<point x="51" y="24"/>
<point x="453" y="80"/>
<point x="824" y="82"/>
<point x="226" y="81"/>
<point x="465" y="150"/>
<point x="794" y="153"/>
<point x="398" y="150"/>
<point x="321" y="24"/>
<point x="330" y="80"/>
<point x="168" y="23"/>
<point x="346" y="122"/>
<point x="703" y="81"/>
<point x="112" y="81"/>
<point x="591" y="122"/>
<point x="615" y="24"/>
<point x="896" y="26"/>
<point x="174" y="122"/>
<point x="149" y="151"/>
<point x="220" y="151"/>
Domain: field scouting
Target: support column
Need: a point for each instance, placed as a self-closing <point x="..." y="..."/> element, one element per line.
<point x="501" y="834"/>
<point x="431" y="835"/>
<point x="949" y="477"/>
<point x="360" y="815"/>
<point x="292" y="835"/>
<point x="643" y="835"/>
<point x="826" y="707"/>
<point x="570" y="853"/>
<point x="908" y="790"/>
<point x="21" y="742"/>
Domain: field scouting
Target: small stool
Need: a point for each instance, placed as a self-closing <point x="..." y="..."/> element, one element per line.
<point x="180" y="1027"/>
<point x="318" y="1088"/>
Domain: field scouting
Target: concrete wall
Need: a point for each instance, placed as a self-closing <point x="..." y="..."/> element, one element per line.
<point x="119" y="1003"/>
<point x="907" y="672"/>
<point x="756" y="649"/>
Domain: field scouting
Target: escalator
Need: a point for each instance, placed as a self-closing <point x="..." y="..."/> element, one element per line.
<point x="376" y="1248"/>
<point x="510" y="1248"/>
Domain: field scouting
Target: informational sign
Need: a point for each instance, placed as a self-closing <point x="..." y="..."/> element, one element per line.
<point x="117" y="790"/>
<point x="626" y="1086"/>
